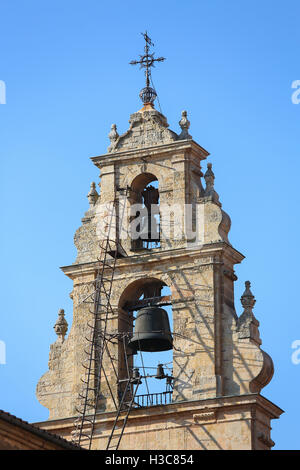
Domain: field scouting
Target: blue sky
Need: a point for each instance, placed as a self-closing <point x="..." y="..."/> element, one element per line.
<point x="65" y="65"/>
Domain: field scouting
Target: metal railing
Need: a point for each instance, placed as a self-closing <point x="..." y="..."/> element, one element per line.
<point x="153" y="399"/>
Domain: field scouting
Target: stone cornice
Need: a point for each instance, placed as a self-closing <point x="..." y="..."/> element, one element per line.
<point x="209" y="409"/>
<point x="154" y="151"/>
<point x="160" y="257"/>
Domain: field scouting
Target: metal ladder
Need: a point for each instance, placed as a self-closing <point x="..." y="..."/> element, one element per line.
<point x="129" y="404"/>
<point x="99" y="339"/>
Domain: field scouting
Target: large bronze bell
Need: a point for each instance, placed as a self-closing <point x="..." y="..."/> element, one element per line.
<point x="152" y="331"/>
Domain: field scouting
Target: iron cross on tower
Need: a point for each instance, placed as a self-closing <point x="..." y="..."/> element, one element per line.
<point x="146" y="61"/>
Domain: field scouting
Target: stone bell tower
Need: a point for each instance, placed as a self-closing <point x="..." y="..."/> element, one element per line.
<point x="219" y="368"/>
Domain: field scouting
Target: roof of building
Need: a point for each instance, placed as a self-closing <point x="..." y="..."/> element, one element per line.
<point x="54" y="438"/>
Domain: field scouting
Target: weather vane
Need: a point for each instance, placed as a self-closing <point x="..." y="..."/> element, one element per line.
<point x="146" y="61"/>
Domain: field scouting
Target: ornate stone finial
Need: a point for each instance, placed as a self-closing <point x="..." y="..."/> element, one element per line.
<point x="184" y="124"/>
<point x="113" y="136"/>
<point x="92" y="195"/>
<point x="248" y="299"/>
<point x="210" y="183"/>
<point x="247" y="323"/>
<point x="61" y="325"/>
<point x="209" y="179"/>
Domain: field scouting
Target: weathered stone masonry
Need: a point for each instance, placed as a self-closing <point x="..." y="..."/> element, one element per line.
<point x="220" y="371"/>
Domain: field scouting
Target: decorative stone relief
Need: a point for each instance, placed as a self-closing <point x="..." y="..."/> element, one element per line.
<point x="147" y="128"/>
<point x="87" y="243"/>
<point x="205" y="415"/>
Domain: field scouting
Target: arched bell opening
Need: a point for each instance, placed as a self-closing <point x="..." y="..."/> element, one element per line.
<point x="145" y="214"/>
<point x="147" y="303"/>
